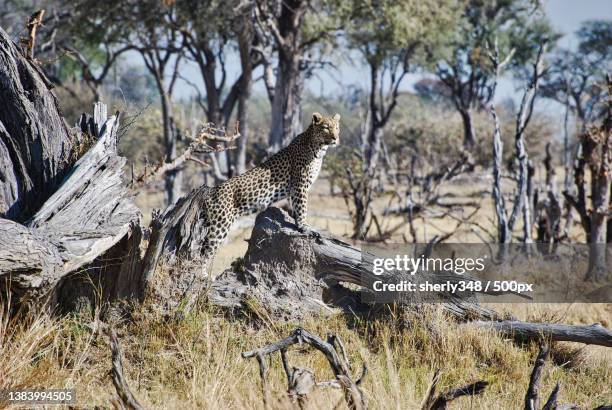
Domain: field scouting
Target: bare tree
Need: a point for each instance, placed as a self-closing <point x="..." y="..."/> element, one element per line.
<point x="596" y="154"/>
<point x="521" y="203"/>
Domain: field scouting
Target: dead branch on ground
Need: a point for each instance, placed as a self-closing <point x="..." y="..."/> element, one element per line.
<point x="125" y="399"/>
<point x="593" y="334"/>
<point x="533" y="390"/>
<point x="442" y="401"/>
<point x="301" y="381"/>
<point x="532" y="397"/>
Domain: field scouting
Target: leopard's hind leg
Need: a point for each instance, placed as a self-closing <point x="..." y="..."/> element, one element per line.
<point x="219" y="221"/>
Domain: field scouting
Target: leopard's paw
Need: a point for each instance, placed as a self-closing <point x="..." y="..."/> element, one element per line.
<point x="307" y="230"/>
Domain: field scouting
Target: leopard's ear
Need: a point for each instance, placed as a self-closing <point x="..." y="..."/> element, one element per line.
<point x="337" y="117"/>
<point x="316" y="118"/>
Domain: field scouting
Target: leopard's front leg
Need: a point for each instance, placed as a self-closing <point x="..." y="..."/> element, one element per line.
<point x="299" y="201"/>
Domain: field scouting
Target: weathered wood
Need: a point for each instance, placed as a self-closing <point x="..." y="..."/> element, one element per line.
<point x="532" y="397"/>
<point x="125" y="398"/>
<point x="173" y="263"/>
<point x="37" y="148"/>
<point x="295" y="275"/>
<point x="339" y="365"/>
<point x="78" y="226"/>
<point x="551" y="403"/>
<point x="178" y="235"/>
<point x="594" y="334"/>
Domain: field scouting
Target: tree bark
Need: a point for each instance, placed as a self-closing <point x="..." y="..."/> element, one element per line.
<point x="174" y="260"/>
<point x="173" y="180"/>
<point x="286" y="103"/>
<point x="304" y="276"/>
<point x="469" y="136"/>
<point x="285" y="123"/>
<point x="593" y="334"/>
<point x="244" y="44"/>
<point x="88" y="226"/>
<point x="36" y="147"/>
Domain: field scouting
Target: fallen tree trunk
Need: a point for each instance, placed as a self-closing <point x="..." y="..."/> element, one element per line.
<point x="71" y="230"/>
<point x="295" y="275"/>
<point x="89" y="224"/>
<point x="594" y="334"/>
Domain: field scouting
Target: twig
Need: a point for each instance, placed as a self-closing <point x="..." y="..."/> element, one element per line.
<point x="531" y="398"/>
<point x="197" y="146"/>
<point x="33" y="24"/>
<point x="301" y="381"/>
<point x="126" y="398"/>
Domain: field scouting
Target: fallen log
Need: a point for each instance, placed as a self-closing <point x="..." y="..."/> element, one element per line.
<point x="295" y="275"/>
<point x="90" y="223"/>
<point x="594" y="334"/>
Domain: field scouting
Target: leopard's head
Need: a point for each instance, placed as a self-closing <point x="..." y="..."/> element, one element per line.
<point x="325" y="131"/>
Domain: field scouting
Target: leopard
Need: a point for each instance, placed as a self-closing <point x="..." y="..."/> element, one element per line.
<point x="287" y="174"/>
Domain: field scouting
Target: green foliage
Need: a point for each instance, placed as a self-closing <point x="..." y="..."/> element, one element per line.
<point x="388" y="28"/>
<point x="463" y="63"/>
<point x="576" y="78"/>
<point x="207" y="19"/>
<point x="595" y="41"/>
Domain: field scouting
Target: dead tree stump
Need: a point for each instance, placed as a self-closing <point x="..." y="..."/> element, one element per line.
<point x="295" y="275"/>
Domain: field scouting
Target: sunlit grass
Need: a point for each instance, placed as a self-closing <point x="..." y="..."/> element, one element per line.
<point x="197" y="363"/>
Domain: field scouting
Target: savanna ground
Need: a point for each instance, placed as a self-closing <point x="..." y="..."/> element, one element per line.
<point x="197" y="363"/>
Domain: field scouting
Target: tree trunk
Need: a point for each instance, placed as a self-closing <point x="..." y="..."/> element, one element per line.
<point x="469" y="136"/>
<point x="286" y="103"/>
<point x="600" y="197"/>
<point x="304" y="276"/>
<point x="503" y="234"/>
<point x="67" y="184"/>
<point x="244" y="133"/>
<point x="173" y="179"/>
<point x="36" y="147"/>
<point x="375" y="126"/>
<point x="244" y="44"/>
<point x="63" y="255"/>
<point x="175" y="267"/>
<point x="289" y="83"/>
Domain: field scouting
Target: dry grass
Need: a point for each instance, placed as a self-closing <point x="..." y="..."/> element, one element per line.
<point x="196" y="363"/>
